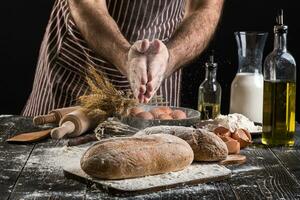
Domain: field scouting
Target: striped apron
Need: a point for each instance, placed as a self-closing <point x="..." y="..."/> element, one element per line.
<point x="64" y="54"/>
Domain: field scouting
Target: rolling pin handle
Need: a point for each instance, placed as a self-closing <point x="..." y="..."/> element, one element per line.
<point x="66" y="128"/>
<point x="43" y="119"/>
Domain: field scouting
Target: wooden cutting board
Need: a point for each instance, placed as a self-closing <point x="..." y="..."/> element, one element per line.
<point x="194" y="174"/>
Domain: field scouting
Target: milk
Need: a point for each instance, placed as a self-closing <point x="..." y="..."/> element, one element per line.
<point x="247" y="95"/>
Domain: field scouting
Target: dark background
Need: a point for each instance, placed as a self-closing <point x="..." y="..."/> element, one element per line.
<point x="23" y="24"/>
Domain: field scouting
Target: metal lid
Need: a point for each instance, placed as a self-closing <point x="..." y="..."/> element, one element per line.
<point x="211" y="64"/>
<point x="280" y="27"/>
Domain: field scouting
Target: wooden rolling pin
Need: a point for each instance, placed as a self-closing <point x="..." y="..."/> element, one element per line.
<point x="54" y="116"/>
<point x="73" y="124"/>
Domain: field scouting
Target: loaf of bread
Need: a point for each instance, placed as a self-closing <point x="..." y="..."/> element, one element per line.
<point x="206" y="145"/>
<point x="129" y="157"/>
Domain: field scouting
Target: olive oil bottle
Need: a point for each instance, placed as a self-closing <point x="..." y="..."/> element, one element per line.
<point x="209" y="110"/>
<point x="210" y="91"/>
<point x="279" y="103"/>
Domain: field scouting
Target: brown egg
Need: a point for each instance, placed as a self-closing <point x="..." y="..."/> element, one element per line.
<point x="145" y="115"/>
<point x="166" y="109"/>
<point x="156" y="112"/>
<point x="222" y="131"/>
<point x="225" y="138"/>
<point x="165" y="116"/>
<point x="233" y="146"/>
<point x="178" y="114"/>
<point x="243" y="137"/>
<point x="135" y="110"/>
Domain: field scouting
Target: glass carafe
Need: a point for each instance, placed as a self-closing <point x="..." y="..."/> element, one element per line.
<point x="247" y="87"/>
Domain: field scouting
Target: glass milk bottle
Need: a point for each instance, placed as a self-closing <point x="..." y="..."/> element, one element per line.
<point x="246" y="95"/>
<point x="209" y="96"/>
<point x="279" y="110"/>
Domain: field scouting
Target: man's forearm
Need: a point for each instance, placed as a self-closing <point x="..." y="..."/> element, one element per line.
<point x="194" y="34"/>
<point x="100" y="31"/>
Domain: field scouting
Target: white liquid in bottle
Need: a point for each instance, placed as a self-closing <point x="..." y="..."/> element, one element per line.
<point x="247" y="95"/>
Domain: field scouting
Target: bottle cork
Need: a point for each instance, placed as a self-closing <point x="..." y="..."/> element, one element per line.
<point x="54" y="116"/>
<point x="73" y="124"/>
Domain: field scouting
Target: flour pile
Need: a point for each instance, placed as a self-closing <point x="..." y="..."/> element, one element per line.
<point x="233" y="122"/>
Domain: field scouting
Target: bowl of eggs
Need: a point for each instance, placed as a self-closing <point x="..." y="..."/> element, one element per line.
<point x="148" y="115"/>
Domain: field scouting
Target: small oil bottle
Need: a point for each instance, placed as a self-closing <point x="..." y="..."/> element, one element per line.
<point x="209" y="97"/>
<point x="279" y="91"/>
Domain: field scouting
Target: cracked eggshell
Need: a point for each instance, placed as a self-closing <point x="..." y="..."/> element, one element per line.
<point x="222" y="131"/>
<point x="243" y="137"/>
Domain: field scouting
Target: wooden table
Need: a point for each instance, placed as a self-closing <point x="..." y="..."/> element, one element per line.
<point x="30" y="172"/>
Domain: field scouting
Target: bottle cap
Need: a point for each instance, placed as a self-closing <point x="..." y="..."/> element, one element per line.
<point x="211" y="63"/>
<point x="280" y="27"/>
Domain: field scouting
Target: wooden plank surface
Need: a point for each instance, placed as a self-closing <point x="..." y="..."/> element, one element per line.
<point x="290" y="159"/>
<point x="217" y="190"/>
<point x="263" y="177"/>
<point x="36" y="174"/>
<point x="42" y="177"/>
<point x="29" y="172"/>
<point x="12" y="158"/>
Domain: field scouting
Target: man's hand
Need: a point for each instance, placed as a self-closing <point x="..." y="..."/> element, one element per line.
<point x="147" y="63"/>
<point x="157" y="59"/>
<point x="137" y="68"/>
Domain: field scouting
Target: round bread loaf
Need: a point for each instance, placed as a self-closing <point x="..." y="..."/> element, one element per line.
<point x="206" y="145"/>
<point x="130" y="157"/>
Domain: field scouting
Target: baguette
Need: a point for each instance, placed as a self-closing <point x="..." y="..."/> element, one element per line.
<point x="129" y="157"/>
<point x="206" y="145"/>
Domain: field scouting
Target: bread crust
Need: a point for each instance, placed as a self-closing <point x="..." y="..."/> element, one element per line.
<point x="206" y="145"/>
<point x="129" y="157"/>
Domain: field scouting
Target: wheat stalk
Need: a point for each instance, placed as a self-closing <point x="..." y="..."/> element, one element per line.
<point x="104" y="98"/>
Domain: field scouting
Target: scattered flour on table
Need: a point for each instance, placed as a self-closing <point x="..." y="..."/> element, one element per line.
<point x="3" y="116"/>
<point x="20" y="157"/>
<point x="43" y="194"/>
<point x="50" y="159"/>
<point x="242" y="169"/>
<point x="4" y="177"/>
<point x="245" y="186"/>
<point x="184" y="192"/>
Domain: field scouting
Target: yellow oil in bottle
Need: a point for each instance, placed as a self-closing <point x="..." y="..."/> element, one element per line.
<point x="279" y="113"/>
<point x="209" y="110"/>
